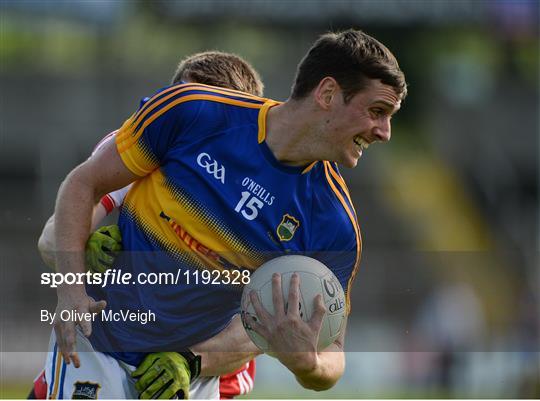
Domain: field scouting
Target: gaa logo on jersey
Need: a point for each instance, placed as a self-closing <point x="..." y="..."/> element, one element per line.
<point x="287" y="227"/>
<point x="85" y="391"/>
<point x="211" y="166"/>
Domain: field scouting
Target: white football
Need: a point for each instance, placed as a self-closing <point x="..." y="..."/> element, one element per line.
<point x="315" y="278"/>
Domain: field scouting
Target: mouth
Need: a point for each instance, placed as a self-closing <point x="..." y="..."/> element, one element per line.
<point x="361" y="143"/>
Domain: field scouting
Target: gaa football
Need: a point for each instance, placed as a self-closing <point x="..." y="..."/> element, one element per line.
<point x="315" y="278"/>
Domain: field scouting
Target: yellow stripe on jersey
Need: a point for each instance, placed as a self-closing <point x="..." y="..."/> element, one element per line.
<point x="128" y="134"/>
<point x="181" y="224"/>
<point x="181" y="88"/>
<point x="139" y="162"/>
<point x="225" y="91"/>
<point x="262" y="119"/>
<point x="343" y="185"/>
<point x="355" y="227"/>
<point x="174" y="91"/>
<point x="54" y="393"/>
<point x="309" y="167"/>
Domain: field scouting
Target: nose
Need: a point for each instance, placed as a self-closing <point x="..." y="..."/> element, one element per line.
<point x="383" y="130"/>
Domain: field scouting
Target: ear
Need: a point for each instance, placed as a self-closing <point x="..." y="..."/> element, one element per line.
<point x="326" y="92"/>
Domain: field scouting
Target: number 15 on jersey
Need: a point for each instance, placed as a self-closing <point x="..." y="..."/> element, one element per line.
<point x="249" y="205"/>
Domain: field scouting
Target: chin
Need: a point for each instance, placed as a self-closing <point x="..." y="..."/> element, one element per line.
<point x="349" y="162"/>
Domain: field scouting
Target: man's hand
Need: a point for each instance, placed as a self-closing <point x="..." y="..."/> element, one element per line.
<point x="163" y="375"/>
<point x="79" y="302"/>
<point x="102" y="247"/>
<point x="291" y="340"/>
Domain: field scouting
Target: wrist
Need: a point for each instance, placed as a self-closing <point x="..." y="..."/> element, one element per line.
<point x="194" y="362"/>
<point x="301" y="364"/>
<point x="67" y="291"/>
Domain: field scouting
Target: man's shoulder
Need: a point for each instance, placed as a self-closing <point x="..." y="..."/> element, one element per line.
<point x="196" y="104"/>
<point x="194" y="92"/>
<point x="326" y="177"/>
<point x="333" y="201"/>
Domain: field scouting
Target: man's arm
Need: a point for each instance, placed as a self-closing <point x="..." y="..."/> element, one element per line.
<point x="221" y="354"/>
<point x="294" y="341"/>
<point x="78" y="194"/>
<point x="328" y="369"/>
<point x="47" y="244"/>
<point x="227" y="351"/>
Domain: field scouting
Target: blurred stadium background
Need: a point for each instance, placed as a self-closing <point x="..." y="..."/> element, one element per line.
<point x="446" y="302"/>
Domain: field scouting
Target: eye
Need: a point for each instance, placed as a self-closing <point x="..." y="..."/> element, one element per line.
<point x="378" y="112"/>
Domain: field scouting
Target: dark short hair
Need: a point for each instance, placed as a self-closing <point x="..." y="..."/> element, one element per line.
<point x="352" y="58"/>
<point x="216" y="68"/>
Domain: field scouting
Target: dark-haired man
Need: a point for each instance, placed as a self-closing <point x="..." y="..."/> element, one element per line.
<point x="217" y="172"/>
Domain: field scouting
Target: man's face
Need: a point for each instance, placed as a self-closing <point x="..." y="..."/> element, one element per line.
<point x="353" y="126"/>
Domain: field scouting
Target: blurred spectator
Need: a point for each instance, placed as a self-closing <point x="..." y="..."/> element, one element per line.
<point x="450" y="322"/>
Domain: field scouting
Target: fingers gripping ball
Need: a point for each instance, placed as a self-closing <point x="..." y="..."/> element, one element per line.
<point x="102" y="247"/>
<point x="315" y="278"/>
<point x="163" y="375"/>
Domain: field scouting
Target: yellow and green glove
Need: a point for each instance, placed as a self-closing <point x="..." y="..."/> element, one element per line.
<point x="102" y="247"/>
<point x="163" y="375"/>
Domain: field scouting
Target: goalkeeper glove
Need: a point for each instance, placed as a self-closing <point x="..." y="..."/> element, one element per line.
<point x="102" y="247"/>
<point x="163" y="375"/>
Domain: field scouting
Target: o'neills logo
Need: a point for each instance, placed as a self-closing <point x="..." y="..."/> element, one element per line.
<point x="287" y="227"/>
<point x="195" y="245"/>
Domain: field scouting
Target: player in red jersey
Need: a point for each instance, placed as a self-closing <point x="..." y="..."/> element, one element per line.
<point x="211" y="68"/>
<point x="239" y="382"/>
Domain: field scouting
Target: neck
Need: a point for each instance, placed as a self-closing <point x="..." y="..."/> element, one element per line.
<point x="289" y="131"/>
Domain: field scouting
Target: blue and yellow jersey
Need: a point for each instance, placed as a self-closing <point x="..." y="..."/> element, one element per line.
<point x="213" y="197"/>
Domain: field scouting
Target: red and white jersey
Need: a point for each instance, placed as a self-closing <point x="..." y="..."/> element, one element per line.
<point x="114" y="199"/>
<point x="231" y="385"/>
<point x="237" y="383"/>
<point x="40" y="386"/>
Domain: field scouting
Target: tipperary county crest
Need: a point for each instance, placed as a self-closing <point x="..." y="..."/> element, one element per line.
<point x="85" y="391"/>
<point x="287" y="227"/>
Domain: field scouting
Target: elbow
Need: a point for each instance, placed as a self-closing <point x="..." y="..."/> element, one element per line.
<point x="320" y="385"/>
<point x="46" y="251"/>
<point x="46" y="244"/>
<point x="330" y="369"/>
<point x="327" y="385"/>
<point x="43" y="245"/>
<point x="323" y="388"/>
<point x="82" y="181"/>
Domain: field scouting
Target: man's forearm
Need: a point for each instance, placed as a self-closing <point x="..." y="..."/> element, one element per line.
<point x="227" y="351"/>
<point x="47" y="241"/>
<point x="72" y="221"/>
<point x="326" y="370"/>
<point x="218" y="363"/>
<point x="46" y="244"/>
<point x="79" y="192"/>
